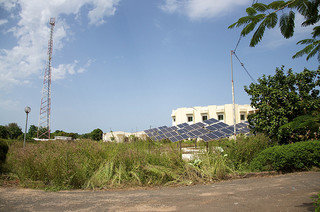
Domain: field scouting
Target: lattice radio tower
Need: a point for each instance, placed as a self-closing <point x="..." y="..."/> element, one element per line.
<point x="45" y="107"/>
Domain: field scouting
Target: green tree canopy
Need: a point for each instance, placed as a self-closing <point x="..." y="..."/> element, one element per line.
<point x="96" y="134"/>
<point x="281" y="98"/>
<point x="261" y="16"/>
<point x="4" y="133"/>
<point x="14" y="130"/>
<point x="32" y="132"/>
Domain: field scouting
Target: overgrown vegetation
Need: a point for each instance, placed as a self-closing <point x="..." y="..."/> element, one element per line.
<point x="287" y="158"/>
<point x="89" y="164"/>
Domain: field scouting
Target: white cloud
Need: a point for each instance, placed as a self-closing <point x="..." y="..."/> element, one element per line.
<point x="63" y="70"/>
<point x="199" y="9"/>
<point x="3" y="21"/>
<point x="27" y="58"/>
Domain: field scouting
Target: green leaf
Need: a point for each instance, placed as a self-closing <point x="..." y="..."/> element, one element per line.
<point x="257" y="36"/>
<point x="287" y="24"/>
<point x="276" y="4"/>
<point x="251" y="11"/>
<point x="313" y="52"/>
<point x="304" y="51"/>
<point x="232" y="25"/>
<point x="306" y="41"/>
<point x="271" y="20"/>
<point x="260" y="7"/>
<point x="247" y="29"/>
<point x="243" y="20"/>
<point x="316" y="31"/>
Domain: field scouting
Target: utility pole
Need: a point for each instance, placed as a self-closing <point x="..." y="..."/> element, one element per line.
<point x="233" y="101"/>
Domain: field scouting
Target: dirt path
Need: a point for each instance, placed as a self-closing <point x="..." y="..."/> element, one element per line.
<point x="291" y="192"/>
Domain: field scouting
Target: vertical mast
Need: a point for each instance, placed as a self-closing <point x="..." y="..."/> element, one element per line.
<point x="233" y="102"/>
<point x="45" y="107"/>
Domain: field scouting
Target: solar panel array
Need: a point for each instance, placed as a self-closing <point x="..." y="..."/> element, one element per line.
<point x="207" y="130"/>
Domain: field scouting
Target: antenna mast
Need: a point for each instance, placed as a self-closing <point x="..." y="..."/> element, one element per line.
<point x="45" y="107"/>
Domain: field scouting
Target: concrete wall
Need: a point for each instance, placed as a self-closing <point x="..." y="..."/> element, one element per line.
<point x="181" y="115"/>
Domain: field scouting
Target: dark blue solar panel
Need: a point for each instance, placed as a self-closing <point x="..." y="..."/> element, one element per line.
<point x="182" y="125"/>
<point x="210" y="121"/>
<point x="168" y="135"/>
<point x="194" y="126"/>
<point x="212" y="136"/>
<point x="203" y="131"/>
<point x="205" y="138"/>
<point x="174" y="133"/>
<point x="188" y="128"/>
<point x="219" y="134"/>
<point x="182" y="131"/>
<point x="196" y="132"/>
<point x="191" y="135"/>
<point x="163" y="127"/>
<point x="184" y="136"/>
<point x="180" y="138"/>
<point x="217" y="126"/>
<point x="211" y="128"/>
<point x="173" y="139"/>
<point x="227" y="131"/>
<point x="244" y="130"/>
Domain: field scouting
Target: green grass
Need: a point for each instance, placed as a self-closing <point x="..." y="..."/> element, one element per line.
<point x="59" y="165"/>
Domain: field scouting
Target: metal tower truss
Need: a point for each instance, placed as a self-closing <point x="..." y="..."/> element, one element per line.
<point x="45" y="107"/>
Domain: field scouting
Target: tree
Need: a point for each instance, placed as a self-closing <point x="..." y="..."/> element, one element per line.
<point x="4" y="132"/>
<point x="32" y="133"/>
<point x="281" y="98"/>
<point x="96" y="134"/>
<point x="14" y="130"/>
<point x="266" y="15"/>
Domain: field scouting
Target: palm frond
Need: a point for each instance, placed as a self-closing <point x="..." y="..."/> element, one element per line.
<point x="260" y="7"/>
<point x="251" y="11"/>
<point x="287" y="24"/>
<point x="271" y="20"/>
<point x="247" y="29"/>
<point x="316" y="31"/>
<point x="304" y="51"/>
<point x="306" y="41"/>
<point x="313" y="52"/>
<point x="257" y="36"/>
<point x="276" y="5"/>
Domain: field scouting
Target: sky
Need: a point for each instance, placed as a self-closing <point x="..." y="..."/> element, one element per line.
<point x="125" y="65"/>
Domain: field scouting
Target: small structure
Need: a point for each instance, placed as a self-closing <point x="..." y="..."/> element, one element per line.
<point x="120" y="136"/>
<point x="64" y="138"/>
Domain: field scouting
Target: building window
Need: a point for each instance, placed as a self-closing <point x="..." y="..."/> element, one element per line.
<point x="190" y="118"/>
<point x="242" y="117"/>
<point x="220" y="117"/>
<point x="205" y="117"/>
<point x="174" y="118"/>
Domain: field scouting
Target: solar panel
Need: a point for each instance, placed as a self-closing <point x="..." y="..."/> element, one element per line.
<point x="180" y="138"/>
<point x="182" y="131"/>
<point x="211" y="128"/>
<point x="191" y="135"/>
<point x="227" y="131"/>
<point x="212" y="136"/>
<point x="182" y="125"/>
<point x="203" y="131"/>
<point x="219" y="134"/>
<point x="210" y="121"/>
<point x="205" y="138"/>
<point x="194" y="126"/>
<point x="188" y="128"/>
<point x="184" y="136"/>
<point x="174" y="133"/>
<point x="196" y="132"/>
<point x="163" y="127"/>
<point x="173" y="139"/>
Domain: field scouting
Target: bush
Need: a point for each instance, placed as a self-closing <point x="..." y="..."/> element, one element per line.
<point x="241" y="152"/>
<point x="287" y="158"/>
<point x="300" y="129"/>
<point x="3" y="154"/>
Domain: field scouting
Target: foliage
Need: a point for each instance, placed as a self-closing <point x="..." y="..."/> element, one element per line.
<point x="4" y="133"/>
<point x="62" y="133"/>
<point x="3" y="154"/>
<point x="261" y="16"/>
<point x="14" y="130"/>
<point x="241" y="152"/>
<point x="281" y="98"/>
<point x="96" y="134"/>
<point x="301" y="128"/>
<point x="81" y="164"/>
<point x="32" y="132"/>
<point x="287" y="158"/>
<point x="317" y="203"/>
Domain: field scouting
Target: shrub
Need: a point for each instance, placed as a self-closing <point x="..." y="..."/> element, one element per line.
<point x="3" y="154"/>
<point x="241" y="151"/>
<point x="287" y="158"/>
<point x="300" y="129"/>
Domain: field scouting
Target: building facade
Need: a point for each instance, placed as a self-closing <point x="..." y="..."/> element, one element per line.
<point x="223" y="113"/>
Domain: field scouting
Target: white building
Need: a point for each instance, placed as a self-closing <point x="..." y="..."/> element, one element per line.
<point x="223" y="113"/>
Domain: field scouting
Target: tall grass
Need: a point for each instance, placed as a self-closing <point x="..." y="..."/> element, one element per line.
<point x="89" y="164"/>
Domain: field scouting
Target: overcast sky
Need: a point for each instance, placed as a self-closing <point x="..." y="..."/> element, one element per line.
<point x="124" y="64"/>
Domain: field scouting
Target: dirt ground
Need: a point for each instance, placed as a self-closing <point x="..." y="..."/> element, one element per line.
<point x="290" y="192"/>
